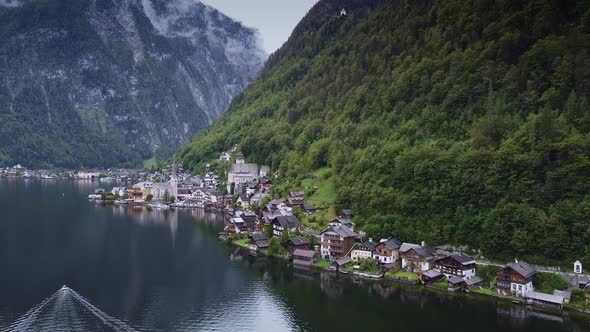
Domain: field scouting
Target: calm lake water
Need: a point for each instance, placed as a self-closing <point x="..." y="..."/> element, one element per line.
<point x="166" y="271"/>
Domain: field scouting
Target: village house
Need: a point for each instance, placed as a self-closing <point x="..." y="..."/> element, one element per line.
<point x="515" y="278"/>
<point x="281" y="224"/>
<point x="456" y="265"/>
<point x="265" y="184"/>
<point x="257" y="198"/>
<point x="183" y="194"/>
<point x="264" y="171"/>
<point x="295" y="202"/>
<point x="303" y="257"/>
<point x="298" y="242"/>
<point x="225" y="157"/>
<point x="387" y="251"/>
<point x="258" y="241"/>
<point x="415" y="257"/>
<point x="88" y="175"/>
<point x="243" y="201"/>
<point x="336" y="241"/>
<point x="430" y="276"/>
<point x="309" y="208"/>
<point x="342" y="222"/>
<point x="251" y="188"/>
<point x="364" y="250"/>
<point x="455" y="284"/>
<point x="345" y="213"/>
<point x="236" y="226"/>
<point x="135" y="194"/>
<point x="337" y="264"/>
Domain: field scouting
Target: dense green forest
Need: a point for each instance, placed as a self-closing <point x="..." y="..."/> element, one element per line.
<point x="462" y="122"/>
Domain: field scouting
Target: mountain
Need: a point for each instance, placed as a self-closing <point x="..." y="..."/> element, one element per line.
<point x="460" y="122"/>
<point x="111" y="82"/>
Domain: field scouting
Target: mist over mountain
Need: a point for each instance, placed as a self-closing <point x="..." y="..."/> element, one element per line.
<point x="103" y="82"/>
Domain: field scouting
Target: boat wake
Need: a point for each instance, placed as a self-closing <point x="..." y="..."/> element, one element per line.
<point x="67" y="310"/>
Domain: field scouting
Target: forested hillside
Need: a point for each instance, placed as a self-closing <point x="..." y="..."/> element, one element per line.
<point x="462" y="122"/>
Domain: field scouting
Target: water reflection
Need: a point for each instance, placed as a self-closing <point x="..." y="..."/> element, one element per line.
<point x="167" y="271"/>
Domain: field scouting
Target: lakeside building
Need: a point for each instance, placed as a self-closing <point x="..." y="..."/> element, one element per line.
<point x="415" y="257"/>
<point x="281" y="224"/>
<point x="458" y="265"/>
<point x="387" y="251"/>
<point x="336" y="241"/>
<point x="362" y="250"/>
<point x="516" y="278"/>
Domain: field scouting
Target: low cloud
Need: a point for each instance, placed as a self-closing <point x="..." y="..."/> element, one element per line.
<point x="11" y="3"/>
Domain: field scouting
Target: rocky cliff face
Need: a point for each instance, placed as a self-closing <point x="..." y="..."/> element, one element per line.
<point x="108" y="82"/>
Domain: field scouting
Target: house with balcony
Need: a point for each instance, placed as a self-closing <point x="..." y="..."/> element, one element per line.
<point x="416" y="258"/>
<point x="516" y="278"/>
<point x="387" y="251"/>
<point x="336" y="241"/>
<point x="458" y="265"/>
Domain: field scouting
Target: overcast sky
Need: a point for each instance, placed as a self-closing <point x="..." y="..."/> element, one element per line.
<point x="274" y="18"/>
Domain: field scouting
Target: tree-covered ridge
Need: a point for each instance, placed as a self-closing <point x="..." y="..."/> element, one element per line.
<point x="463" y="122"/>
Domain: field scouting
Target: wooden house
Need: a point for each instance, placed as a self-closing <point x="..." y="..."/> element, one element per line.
<point x="515" y="278"/>
<point x="303" y="257"/>
<point x="456" y="265"/>
<point x="387" y="251"/>
<point x="294" y="243"/>
<point x="415" y="257"/>
<point x="336" y="241"/>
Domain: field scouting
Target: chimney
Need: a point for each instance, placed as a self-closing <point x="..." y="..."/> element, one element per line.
<point x="370" y="239"/>
<point x="516" y="261"/>
<point x="423" y="243"/>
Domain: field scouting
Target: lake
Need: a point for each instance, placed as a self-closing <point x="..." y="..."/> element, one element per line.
<point x="134" y="269"/>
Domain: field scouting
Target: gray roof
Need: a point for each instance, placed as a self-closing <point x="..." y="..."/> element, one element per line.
<point x="258" y="236"/>
<point x="524" y="269"/>
<point x="288" y="221"/>
<point x="244" y="168"/>
<point x="299" y="240"/>
<point x="342" y="231"/>
<point x="347" y="212"/>
<point x="456" y="280"/>
<point x="462" y="259"/>
<point x="424" y="252"/>
<point x="304" y="253"/>
<point x="343" y="221"/>
<point x="262" y="243"/>
<point x="545" y="297"/>
<point x="564" y="294"/>
<point x="392" y="244"/>
<point x="407" y="246"/>
<point x="432" y="273"/>
<point x="472" y="281"/>
<point x="342" y="261"/>
<point x="367" y="244"/>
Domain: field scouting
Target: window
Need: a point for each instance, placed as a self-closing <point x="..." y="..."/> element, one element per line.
<point x="519" y="287"/>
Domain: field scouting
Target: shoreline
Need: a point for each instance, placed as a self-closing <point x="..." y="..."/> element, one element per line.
<point x="565" y="311"/>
